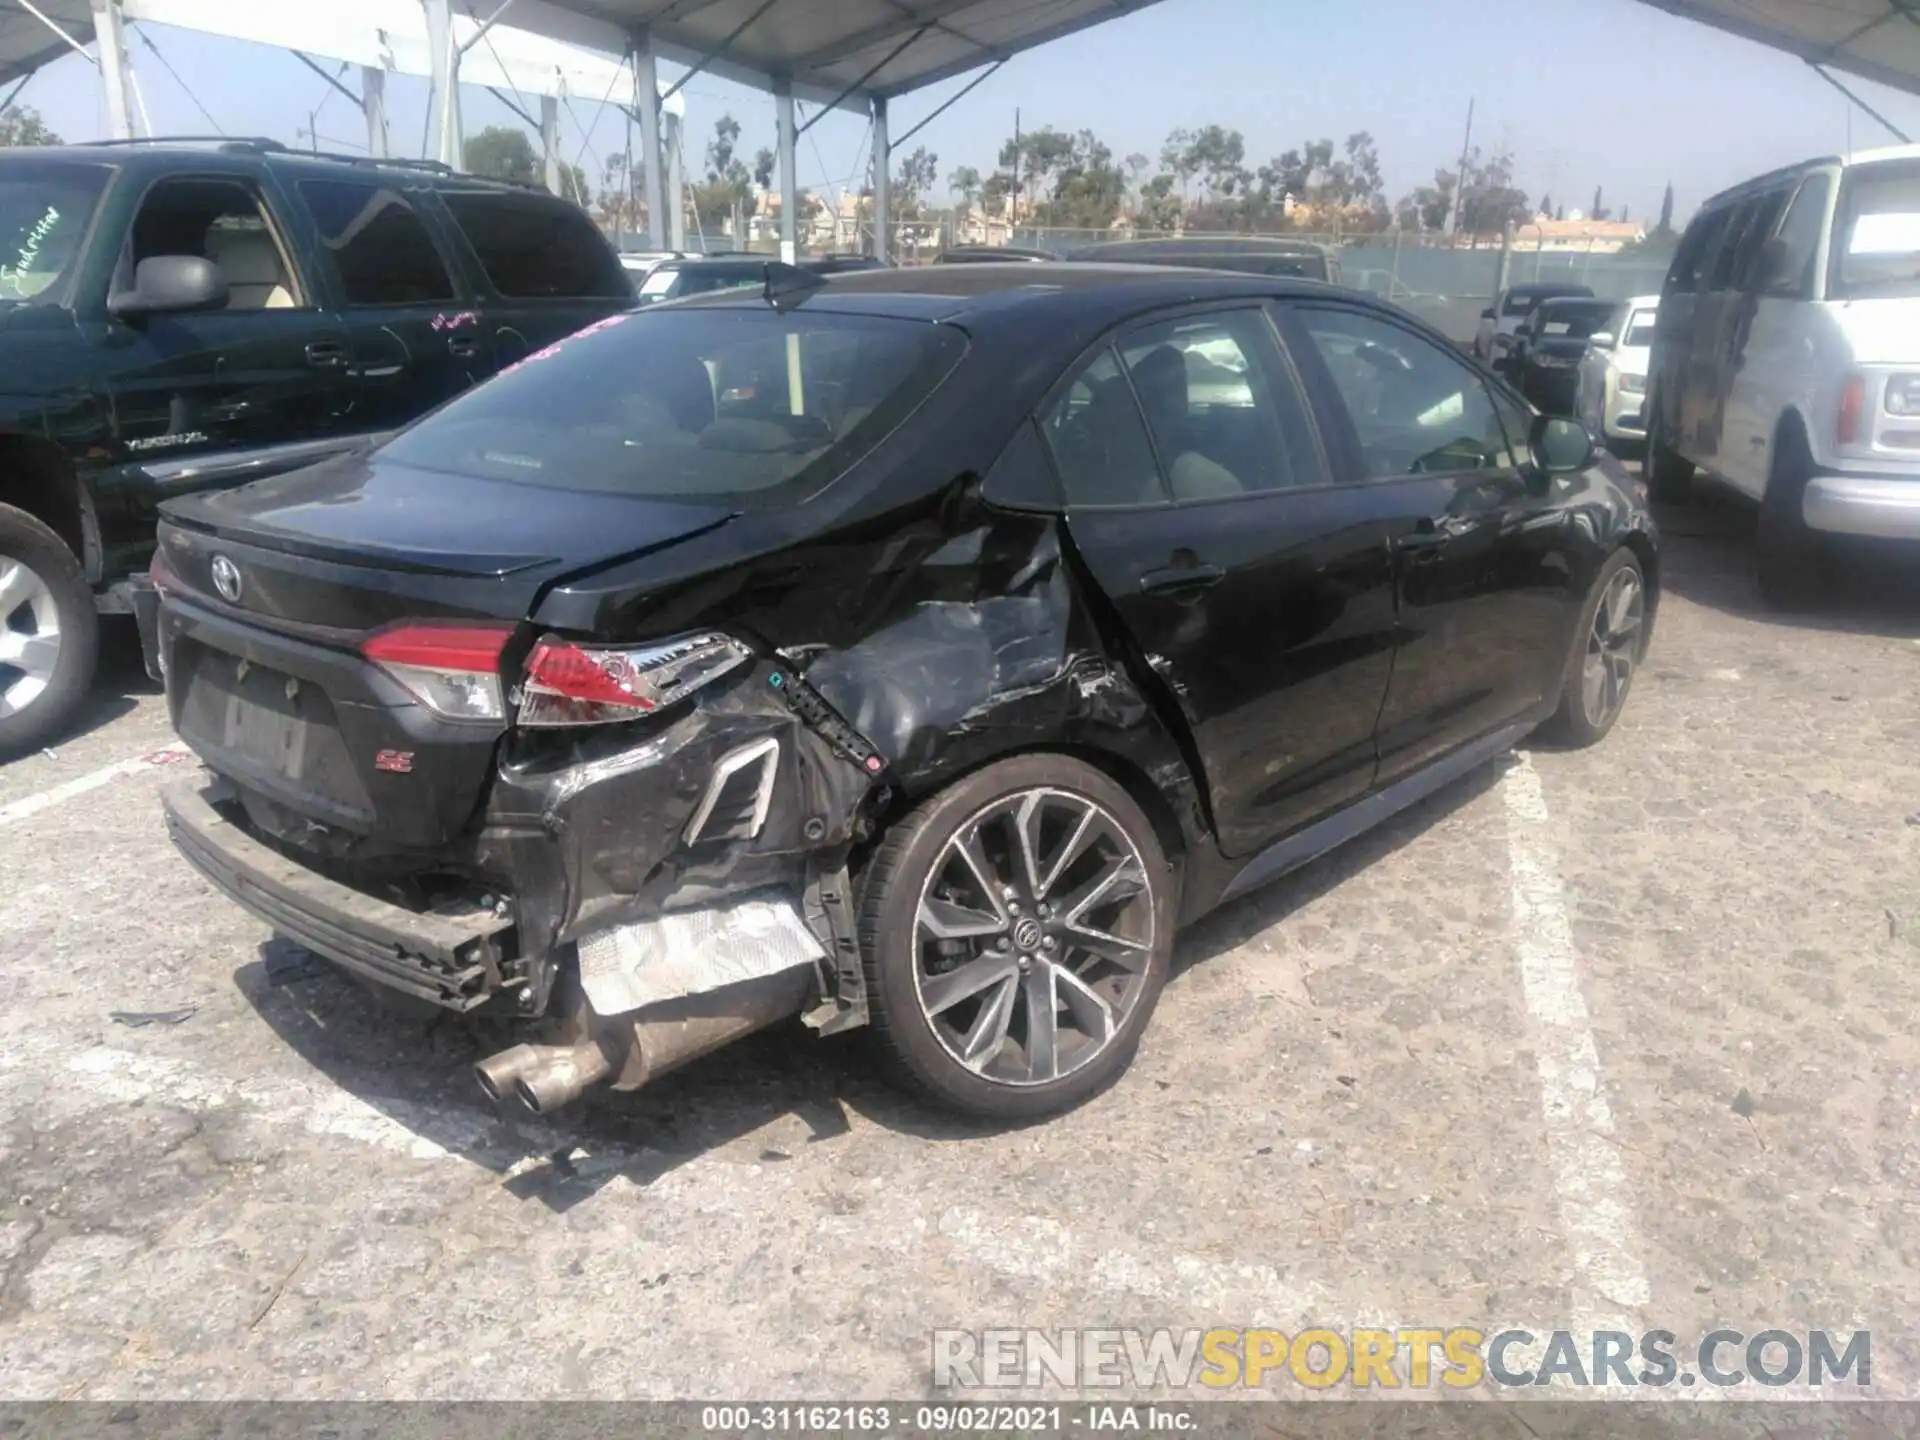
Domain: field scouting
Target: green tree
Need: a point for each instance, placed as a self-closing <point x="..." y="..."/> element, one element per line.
<point x="22" y="125"/>
<point x="1599" y="210"/>
<point x="1089" y="189"/>
<point x="964" y="185"/>
<point x="728" y="181"/>
<point x="763" y="167"/>
<point x="1665" y="227"/>
<point x="503" y="152"/>
<point x="574" y="187"/>
<point x="916" y="176"/>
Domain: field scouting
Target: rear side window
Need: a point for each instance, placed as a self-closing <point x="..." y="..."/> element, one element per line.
<point x="379" y="246"/>
<point x="1099" y="442"/>
<point x="1224" y="413"/>
<point x="1876" y="234"/>
<point x="535" y="249"/>
<point x="1799" y="238"/>
<point x="743" y="406"/>
<point x="1693" y="261"/>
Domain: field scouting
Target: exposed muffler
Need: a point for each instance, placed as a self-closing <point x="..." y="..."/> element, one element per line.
<point x="633" y="1050"/>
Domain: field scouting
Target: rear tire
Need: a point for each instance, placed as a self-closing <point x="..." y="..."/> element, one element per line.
<point x="1011" y="981"/>
<point x="49" y="633"/>
<point x="1608" y="646"/>
<point x="1791" y="558"/>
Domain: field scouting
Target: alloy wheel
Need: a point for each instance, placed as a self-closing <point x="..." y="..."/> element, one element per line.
<point x="1613" y="646"/>
<point x="29" y="636"/>
<point x="1033" y="937"/>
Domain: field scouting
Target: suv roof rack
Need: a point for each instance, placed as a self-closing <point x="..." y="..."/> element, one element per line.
<point x="261" y="145"/>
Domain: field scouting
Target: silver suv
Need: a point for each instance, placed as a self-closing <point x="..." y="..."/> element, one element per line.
<point x="1786" y="359"/>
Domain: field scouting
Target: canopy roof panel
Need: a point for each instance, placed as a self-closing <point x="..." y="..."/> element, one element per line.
<point x="1875" y="39"/>
<point x="26" y="44"/>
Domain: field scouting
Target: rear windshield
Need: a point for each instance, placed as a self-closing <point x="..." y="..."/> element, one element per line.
<point x="675" y="282"/>
<point x="1639" y="329"/>
<point x="1574" y="320"/>
<point x="750" y="406"/>
<point x="1876" y="241"/>
<point x="1521" y="302"/>
<point x="44" y="209"/>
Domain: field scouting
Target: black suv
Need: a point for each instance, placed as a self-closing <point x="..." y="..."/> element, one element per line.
<point x="178" y="317"/>
<point x="920" y="647"/>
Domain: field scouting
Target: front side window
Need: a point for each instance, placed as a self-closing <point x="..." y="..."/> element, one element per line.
<point x="1719" y="275"/>
<point x="1098" y="441"/>
<point x="44" y="210"/>
<point x="1639" y="330"/>
<point x="1876" y="232"/>
<point x="748" y="407"/>
<point x="537" y="249"/>
<point x="1416" y="410"/>
<point x="379" y="245"/>
<point x="1766" y="217"/>
<point x="1799" y="239"/>
<point x="1225" y="415"/>
<point x="1693" y="261"/>
<point x="218" y="220"/>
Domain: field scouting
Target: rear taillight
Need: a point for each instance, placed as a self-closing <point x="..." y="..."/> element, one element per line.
<point x="452" y="669"/>
<point x="570" y="684"/>
<point x="1853" y="400"/>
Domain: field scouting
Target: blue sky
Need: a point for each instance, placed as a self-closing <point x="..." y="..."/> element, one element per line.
<point x="1584" y="92"/>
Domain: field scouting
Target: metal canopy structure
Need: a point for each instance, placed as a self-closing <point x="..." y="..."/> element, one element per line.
<point x="1878" y="40"/>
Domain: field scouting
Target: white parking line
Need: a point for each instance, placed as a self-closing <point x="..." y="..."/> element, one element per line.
<point x="1590" y="1184"/>
<point x="20" y="810"/>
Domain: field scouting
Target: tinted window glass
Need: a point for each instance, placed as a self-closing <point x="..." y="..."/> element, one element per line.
<point x="1876" y="237"/>
<point x="44" y="209"/>
<point x="1224" y="414"/>
<point x="1760" y="228"/>
<point x="1694" y="258"/>
<point x="1416" y="409"/>
<point x="752" y="407"/>
<point x="1098" y="441"/>
<point x="535" y="249"/>
<point x="1573" y="319"/>
<point x="379" y="246"/>
<point x="1516" y="420"/>
<point x="1799" y="238"/>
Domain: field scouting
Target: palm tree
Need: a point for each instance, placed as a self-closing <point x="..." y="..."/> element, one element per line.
<point x="965" y="182"/>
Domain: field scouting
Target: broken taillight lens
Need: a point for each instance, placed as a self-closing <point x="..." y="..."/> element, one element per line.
<point x="570" y="684"/>
<point x="452" y="669"/>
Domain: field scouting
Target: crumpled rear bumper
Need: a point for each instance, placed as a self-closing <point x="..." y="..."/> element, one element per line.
<point x="450" y="959"/>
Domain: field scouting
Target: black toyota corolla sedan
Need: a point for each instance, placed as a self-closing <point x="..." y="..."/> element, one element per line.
<point x="916" y="649"/>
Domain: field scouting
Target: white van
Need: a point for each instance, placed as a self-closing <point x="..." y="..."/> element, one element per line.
<point x="1786" y="359"/>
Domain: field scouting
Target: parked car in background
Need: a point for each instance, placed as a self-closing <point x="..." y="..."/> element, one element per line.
<point x="924" y="649"/>
<point x="993" y="255"/>
<point x="1252" y="255"/>
<point x="1544" y="359"/>
<point x="1612" y="392"/>
<point x="177" y="318"/>
<point x="1786" y="360"/>
<point x="1510" y="310"/>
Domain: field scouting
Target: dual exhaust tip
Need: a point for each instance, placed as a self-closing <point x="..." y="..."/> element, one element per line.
<point x="544" y="1077"/>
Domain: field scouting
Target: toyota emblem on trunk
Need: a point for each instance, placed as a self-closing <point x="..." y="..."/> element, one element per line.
<point x="226" y="579"/>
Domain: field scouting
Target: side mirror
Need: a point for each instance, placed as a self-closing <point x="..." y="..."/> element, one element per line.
<point x="1560" y="446"/>
<point x="1487" y="314"/>
<point x="171" y="284"/>
<point x="1601" y="340"/>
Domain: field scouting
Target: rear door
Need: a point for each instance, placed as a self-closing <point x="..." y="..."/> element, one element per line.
<point x="414" y="332"/>
<point x="1481" y="559"/>
<point x="549" y="270"/>
<point x="1255" y="587"/>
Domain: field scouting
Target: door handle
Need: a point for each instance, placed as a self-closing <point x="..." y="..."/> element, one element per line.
<point x="1427" y="534"/>
<point x="326" y="354"/>
<point x="1181" y="579"/>
<point x="465" y="346"/>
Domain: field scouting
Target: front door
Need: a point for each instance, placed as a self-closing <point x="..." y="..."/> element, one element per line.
<point x="415" y="335"/>
<point x="1257" y="592"/>
<point x="1481" y="554"/>
<point x="199" y="399"/>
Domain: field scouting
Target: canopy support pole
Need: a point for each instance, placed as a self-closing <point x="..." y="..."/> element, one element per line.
<point x="373" y="104"/>
<point x="110" y="30"/>
<point x="646" y="101"/>
<point x="882" y="184"/>
<point x="789" y="172"/>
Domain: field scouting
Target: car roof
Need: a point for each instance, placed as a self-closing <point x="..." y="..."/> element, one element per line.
<point x="243" y="154"/>
<point x="1019" y="292"/>
<point x="1219" y="245"/>
<point x="1563" y="288"/>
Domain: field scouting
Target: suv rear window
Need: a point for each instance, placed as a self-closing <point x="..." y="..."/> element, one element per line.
<point x="44" y="209"/>
<point x="537" y="249"/>
<point x="751" y="405"/>
<point x="380" y="247"/>
<point x="1876" y="236"/>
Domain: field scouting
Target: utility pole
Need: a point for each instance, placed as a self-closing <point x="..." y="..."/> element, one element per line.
<point x="1013" y="212"/>
<point x="1460" y="175"/>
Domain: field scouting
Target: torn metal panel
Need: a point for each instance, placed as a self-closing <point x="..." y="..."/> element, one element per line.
<point x="692" y="952"/>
